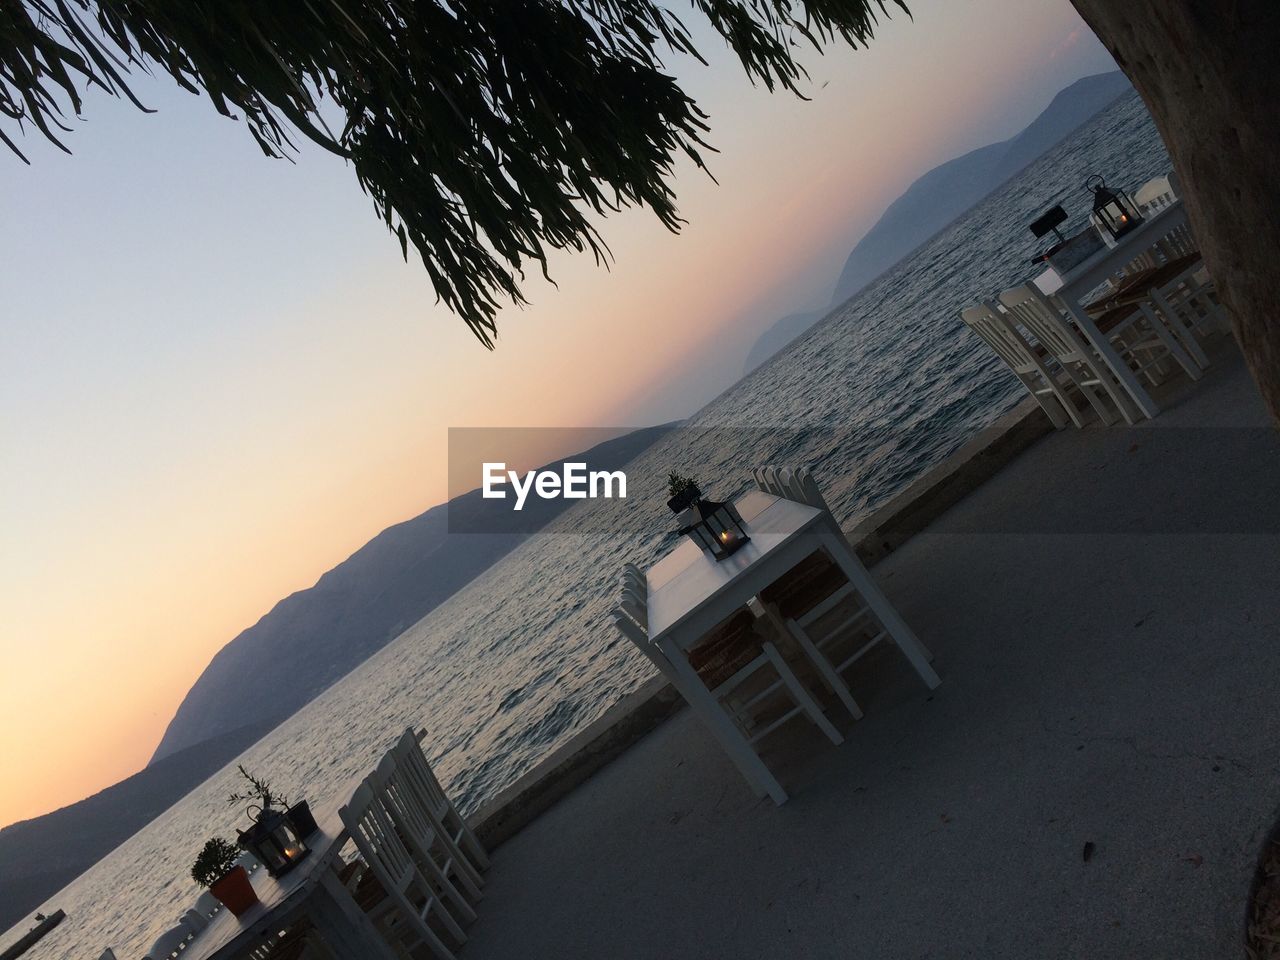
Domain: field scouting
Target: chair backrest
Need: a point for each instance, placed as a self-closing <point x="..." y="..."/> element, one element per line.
<point x="634" y="579"/>
<point x="636" y="607"/>
<point x="1152" y="197"/>
<point x="631" y="618"/>
<point x="791" y="483"/>
<point x="168" y="943"/>
<point x="417" y="774"/>
<point x="1155" y="194"/>
<point x="767" y="480"/>
<point x="1179" y="241"/>
<point x="108" y="954"/>
<point x="399" y="793"/>
<point x="375" y="836"/>
<point x="629" y="588"/>
<point x="208" y="904"/>
<point x="1147" y="260"/>
<point x="1002" y="337"/>
<point x="194" y="921"/>
<point x="805" y="489"/>
<point x="1031" y="308"/>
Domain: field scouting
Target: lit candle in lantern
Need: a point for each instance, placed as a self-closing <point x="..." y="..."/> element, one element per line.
<point x="717" y="528"/>
<point x="1114" y="211"/>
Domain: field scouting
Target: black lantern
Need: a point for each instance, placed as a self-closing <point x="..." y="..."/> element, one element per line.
<point x="275" y="842"/>
<point x="1115" y="212"/>
<point x="717" y="528"/>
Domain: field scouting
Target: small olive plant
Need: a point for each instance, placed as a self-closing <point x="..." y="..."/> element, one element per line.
<point x="259" y="792"/>
<point x="677" y="485"/>
<point x="216" y="859"/>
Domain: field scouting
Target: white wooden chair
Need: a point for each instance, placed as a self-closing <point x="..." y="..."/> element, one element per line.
<point x="248" y="861"/>
<point x="439" y="858"/>
<point x="413" y="763"/>
<point x="631" y="618"/>
<point x="1181" y="288"/>
<point x="194" y="921"/>
<point x="298" y="940"/>
<point x="1027" y="364"/>
<point x="835" y="621"/>
<point x="1154" y="195"/>
<point x="1032" y="309"/>
<point x="398" y="898"/>
<point x="1178" y="291"/>
<point x="1188" y="291"/>
<point x="169" y="944"/>
<point x="208" y="904"/>
<point x="1041" y="318"/>
<point x="744" y="672"/>
<point x="1170" y="278"/>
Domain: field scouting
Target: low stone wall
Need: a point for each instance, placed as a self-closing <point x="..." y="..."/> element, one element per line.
<point x="877" y="536"/>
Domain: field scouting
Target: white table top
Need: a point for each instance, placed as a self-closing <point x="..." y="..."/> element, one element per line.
<point x="686" y="579"/>
<point x="228" y="935"/>
<point x="1109" y="260"/>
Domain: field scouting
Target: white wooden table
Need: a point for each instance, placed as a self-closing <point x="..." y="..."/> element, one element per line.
<point x="1072" y="287"/>
<point x="690" y="593"/>
<point x="312" y="888"/>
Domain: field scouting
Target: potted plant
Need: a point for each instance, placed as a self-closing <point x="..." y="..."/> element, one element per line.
<point x="260" y="794"/>
<point x="216" y="868"/>
<point x="683" y="492"/>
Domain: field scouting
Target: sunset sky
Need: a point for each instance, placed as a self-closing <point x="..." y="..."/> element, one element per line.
<point x="220" y="378"/>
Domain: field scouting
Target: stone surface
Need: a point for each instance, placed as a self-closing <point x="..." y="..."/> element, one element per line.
<point x="1105" y="618"/>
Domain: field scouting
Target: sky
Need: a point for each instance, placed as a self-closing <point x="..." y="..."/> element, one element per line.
<point x="218" y="378"/>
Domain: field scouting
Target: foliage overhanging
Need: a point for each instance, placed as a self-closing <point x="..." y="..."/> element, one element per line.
<point x="487" y="132"/>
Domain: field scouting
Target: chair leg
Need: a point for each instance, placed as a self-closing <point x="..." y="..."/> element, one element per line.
<point x="456" y="902"/>
<point x="450" y="923"/>
<point x="472" y="846"/>
<point x="830" y="676"/>
<point x="1091" y="393"/>
<point x="1064" y="398"/>
<point x="344" y="926"/>
<point x="1181" y="328"/>
<point x="1053" y="407"/>
<point x="472" y="885"/>
<point x="885" y="612"/>
<point x="422" y="930"/>
<point x="825" y="667"/>
<point x="1052" y="401"/>
<point x="800" y="694"/>
<point x="1166" y="336"/>
<point x="1119" y="396"/>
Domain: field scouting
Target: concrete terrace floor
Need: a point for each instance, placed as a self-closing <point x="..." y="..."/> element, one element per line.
<point x="1105" y="616"/>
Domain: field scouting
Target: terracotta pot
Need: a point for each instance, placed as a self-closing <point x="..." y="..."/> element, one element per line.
<point x="235" y="891"/>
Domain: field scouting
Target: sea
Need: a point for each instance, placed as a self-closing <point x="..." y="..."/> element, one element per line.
<point x="885" y="387"/>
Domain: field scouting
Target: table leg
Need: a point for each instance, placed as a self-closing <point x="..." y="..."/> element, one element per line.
<point x="739" y="750"/>
<point x="903" y="636"/>
<point x="1128" y="379"/>
<point x="344" y="926"/>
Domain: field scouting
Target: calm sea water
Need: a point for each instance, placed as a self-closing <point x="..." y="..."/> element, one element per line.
<point x="884" y="388"/>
